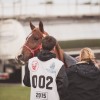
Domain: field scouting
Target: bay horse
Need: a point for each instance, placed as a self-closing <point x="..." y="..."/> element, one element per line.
<point x="33" y="45"/>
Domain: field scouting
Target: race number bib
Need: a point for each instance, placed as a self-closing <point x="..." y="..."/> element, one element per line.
<point x="42" y="82"/>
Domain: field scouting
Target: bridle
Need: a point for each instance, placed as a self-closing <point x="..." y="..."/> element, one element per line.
<point x="38" y="48"/>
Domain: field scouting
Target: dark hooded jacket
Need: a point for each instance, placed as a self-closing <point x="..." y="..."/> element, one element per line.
<point x="84" y="82"/>
<point x="61" y="79"/>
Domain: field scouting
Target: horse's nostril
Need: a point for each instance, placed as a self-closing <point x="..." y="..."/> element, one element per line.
<point x="19" y="59"/>
<point x="20" y="56"/>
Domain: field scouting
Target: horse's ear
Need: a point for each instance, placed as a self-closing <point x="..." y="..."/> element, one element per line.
<point x="31" y="26"/>
<point x="41" y="26"/>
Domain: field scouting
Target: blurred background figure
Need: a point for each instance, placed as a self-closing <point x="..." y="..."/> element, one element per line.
<point x="12" y="37"/>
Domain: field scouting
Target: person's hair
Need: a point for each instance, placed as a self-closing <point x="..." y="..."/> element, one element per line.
<point x="48" y="43"/>
<point x="87" y="54"/>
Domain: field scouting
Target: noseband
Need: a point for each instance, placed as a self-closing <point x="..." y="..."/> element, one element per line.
<point x="33" y="51"/>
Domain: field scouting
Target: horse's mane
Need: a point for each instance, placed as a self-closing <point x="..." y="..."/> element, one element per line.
<point x="59" y="52"/>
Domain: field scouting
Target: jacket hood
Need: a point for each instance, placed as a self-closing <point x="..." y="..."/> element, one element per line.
<point x="86" y="70"/>
<point x="45" y="55"/>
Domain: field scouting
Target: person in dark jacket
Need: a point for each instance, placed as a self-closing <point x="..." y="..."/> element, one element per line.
<point x="45" y="74"/>
<point x="84" y="78"/>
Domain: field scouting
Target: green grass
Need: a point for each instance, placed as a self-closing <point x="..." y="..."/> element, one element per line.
<point x="14" y="92"/>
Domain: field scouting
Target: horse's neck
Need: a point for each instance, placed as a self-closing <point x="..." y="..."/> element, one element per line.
<point x="59" y="52"/>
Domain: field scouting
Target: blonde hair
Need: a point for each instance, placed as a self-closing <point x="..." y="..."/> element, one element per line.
<point x="87" y="54"/>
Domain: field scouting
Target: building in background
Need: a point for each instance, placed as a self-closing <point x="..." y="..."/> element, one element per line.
<point x="48" y="8"/>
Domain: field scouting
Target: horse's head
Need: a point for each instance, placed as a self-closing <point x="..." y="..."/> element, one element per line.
<point x="33" y="43"/>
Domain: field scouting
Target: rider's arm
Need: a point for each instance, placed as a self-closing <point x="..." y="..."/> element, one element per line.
<point x="26" y="79"/>
<point x="62" y="83"/>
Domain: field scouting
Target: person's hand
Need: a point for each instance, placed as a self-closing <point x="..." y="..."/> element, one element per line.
<point x="77" y="58"/>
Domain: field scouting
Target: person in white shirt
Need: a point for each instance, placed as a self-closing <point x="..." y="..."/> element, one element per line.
<point x="45" y="74"/>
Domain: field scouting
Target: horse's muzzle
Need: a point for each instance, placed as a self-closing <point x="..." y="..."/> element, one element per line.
<point x="20" y="60"/>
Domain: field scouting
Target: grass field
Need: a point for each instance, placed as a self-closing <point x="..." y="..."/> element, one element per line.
<point x="14" y="92"/>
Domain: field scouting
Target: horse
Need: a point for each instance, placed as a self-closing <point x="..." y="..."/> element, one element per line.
<point x="33" y="45"/>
